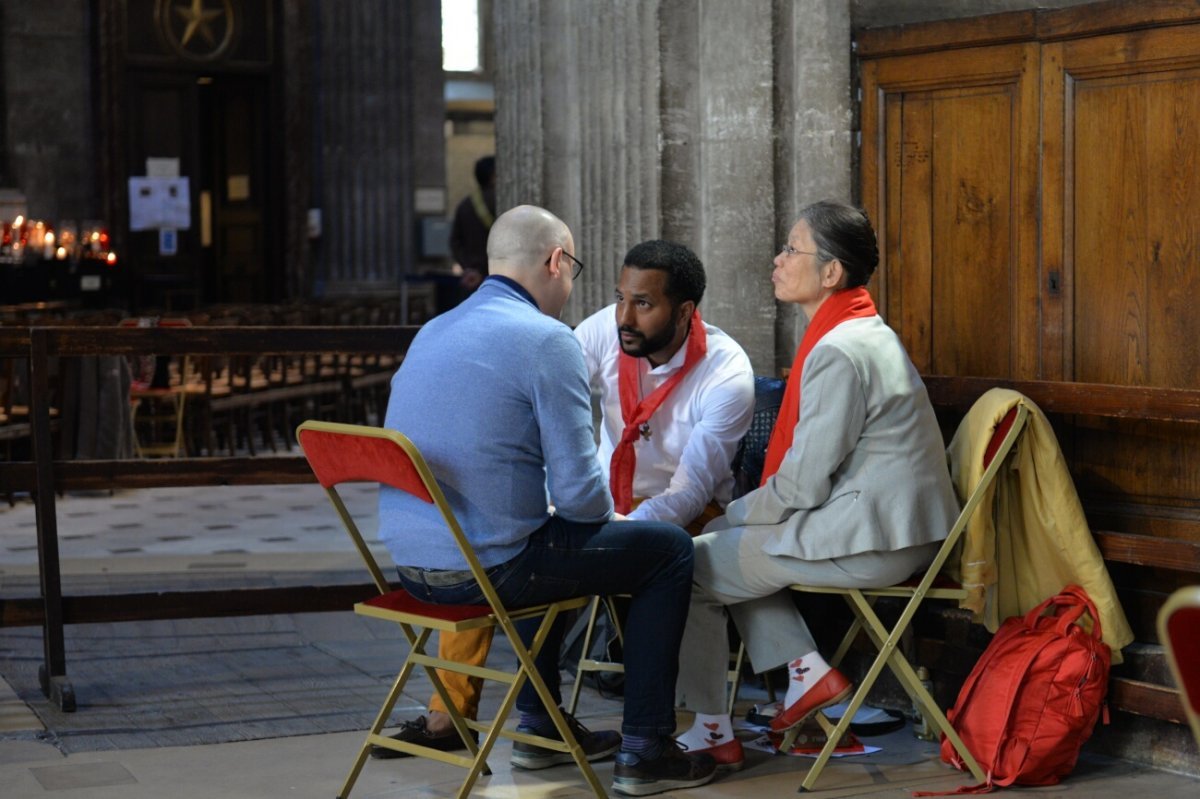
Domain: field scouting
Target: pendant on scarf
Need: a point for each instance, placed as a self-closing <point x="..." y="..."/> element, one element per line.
<point x="645" y="431"/>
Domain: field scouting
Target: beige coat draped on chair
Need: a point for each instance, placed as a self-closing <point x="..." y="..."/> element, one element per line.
<point x="1029" y="538"/>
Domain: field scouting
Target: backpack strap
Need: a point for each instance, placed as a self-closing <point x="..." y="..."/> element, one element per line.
<point x="1076" y="600"/>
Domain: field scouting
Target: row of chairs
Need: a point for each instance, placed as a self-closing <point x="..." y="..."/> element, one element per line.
<point x="207" y="404"/>
<point x="340" y="453"/>
<point x="213" y="404"/>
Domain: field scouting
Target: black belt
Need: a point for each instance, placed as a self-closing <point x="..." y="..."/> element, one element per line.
<point x="435" y="576"/>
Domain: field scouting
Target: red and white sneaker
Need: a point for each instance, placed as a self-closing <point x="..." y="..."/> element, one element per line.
<point x="829" y="690"/>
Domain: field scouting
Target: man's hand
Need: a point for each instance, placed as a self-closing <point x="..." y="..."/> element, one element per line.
<point x="471" y="278"/>
<point x="619" y="517"/>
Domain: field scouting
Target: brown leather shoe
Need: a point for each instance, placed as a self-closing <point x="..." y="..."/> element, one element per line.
<point x="416" y="732"/>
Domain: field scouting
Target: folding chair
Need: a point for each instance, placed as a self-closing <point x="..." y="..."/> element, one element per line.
<point x="862" y="600"/>
<point x="588" y="664"/>
<point x="1178" y="623"/>
<point x="163" y="427"/>
<point x="747" y="470"/>
<point x="341" y="453"/>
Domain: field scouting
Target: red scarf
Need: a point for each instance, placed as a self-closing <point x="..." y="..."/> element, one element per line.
<point x="636" y="414"/>
<point x="842" y="306"/>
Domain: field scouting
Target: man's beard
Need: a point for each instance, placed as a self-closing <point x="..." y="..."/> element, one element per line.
<point x="647" y="345"/>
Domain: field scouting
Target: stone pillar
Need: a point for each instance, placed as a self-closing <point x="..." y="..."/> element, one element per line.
<point x="813" y="117"/>
<point x="709" y="122"/>
<point x="577" y="128"/>
<point x="49" y="154"/>
<point x="717" y="159"/>
<point x="378" y="115"/>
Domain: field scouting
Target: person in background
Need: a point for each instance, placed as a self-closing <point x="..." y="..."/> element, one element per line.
<point x="473" y="219"/>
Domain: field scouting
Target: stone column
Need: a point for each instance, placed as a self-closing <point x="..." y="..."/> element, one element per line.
<point x="577" y="126"/>
<point x="709" y="122"/>
<point x="813" y="143"/>
<point x="378" y="114"/>
<point x="717" y="163"/>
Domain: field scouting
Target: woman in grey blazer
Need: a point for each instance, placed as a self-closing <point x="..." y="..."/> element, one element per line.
<point x="856" y="493"/>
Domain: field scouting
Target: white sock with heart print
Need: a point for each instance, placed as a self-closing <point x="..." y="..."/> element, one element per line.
<point x="803" y="673"/>
<point x="706" y="732"/>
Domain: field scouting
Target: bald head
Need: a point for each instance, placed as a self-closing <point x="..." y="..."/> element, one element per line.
<point x="522" y="239"/>
<point x="526" y="244"/>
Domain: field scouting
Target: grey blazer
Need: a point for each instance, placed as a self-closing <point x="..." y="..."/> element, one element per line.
<point x="867" y="467"/>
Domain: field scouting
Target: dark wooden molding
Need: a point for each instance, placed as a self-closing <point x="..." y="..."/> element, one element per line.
<point x="1146" y="699"/>
<point x="1013" y="26"/>
<point x="147" y="606"/>
<point x="1042" y="25"/>
<point x="1085" y="399"/>
<point x="1148" y="550"/>
<point x="1112" y="16"/>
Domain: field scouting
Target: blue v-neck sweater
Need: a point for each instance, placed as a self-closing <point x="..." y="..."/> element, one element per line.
<point x="495" y="395"/>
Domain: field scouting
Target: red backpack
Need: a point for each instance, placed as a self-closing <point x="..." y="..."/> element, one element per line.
<point x="1033" y="698"/>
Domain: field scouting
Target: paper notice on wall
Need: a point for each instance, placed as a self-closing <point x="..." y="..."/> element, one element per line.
<point x="159" y="203"/>
<point x="162" y="167"/>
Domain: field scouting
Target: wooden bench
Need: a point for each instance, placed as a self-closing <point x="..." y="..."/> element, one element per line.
<point x="1061" y="401"/>
<point x="45" y="478"/>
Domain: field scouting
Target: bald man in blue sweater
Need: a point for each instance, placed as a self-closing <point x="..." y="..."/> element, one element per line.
<point x="495" y="395"/>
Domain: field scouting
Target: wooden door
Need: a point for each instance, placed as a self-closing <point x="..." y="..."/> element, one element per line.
<point x="1122" y="134"/>
<point x="949" y="165"/>
<point x="163" y="124"/>
<point x="234" y="117"/>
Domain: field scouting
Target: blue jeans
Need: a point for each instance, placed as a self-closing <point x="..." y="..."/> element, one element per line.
<point x="652" y="561"/>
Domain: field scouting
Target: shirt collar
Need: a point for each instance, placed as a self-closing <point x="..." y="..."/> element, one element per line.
<point x="673" y="363"/>
<point x="515" y="286"/>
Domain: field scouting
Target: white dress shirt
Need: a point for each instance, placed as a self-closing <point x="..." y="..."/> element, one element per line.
<point x="694" y="434"/>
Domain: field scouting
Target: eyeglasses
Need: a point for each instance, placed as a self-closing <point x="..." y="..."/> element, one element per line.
<point x="789" y="250"/>
<point x="577" y="269"/>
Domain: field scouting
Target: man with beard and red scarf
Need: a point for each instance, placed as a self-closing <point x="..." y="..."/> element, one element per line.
<point x="676" y="393"/>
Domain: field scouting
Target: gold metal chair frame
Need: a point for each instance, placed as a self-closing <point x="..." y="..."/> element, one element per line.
<point x="587" y="664"/>
<point x="340" y="453"/>
<point x="887" y="640"/>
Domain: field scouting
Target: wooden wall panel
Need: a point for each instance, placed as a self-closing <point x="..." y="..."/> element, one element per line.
<point x="1173" y="110"/>
<point x="910" y="172"/>
<point x="1055" y="234"/>
<point x="974" y="280"/>
<point x="953" y="152"/>
<point x="1131" y="228"/>
<point x="1136" y="230"/>
<point x="1109" y="260"/>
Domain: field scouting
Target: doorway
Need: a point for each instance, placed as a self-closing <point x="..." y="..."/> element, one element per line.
<point x="211" y="130"/>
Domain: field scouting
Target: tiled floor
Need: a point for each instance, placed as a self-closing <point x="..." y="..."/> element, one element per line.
<point x="315" y="765"/>
<point x="297" y="689"/>
<point x="120" y="531"/>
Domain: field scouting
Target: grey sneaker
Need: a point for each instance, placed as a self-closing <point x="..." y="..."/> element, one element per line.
<point x="596" y="745"/>
<point x="674" y="768"/>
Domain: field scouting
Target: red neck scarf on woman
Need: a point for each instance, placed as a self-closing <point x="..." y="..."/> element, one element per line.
<point x="842" y="306"/>
<point x="636" y="414"/>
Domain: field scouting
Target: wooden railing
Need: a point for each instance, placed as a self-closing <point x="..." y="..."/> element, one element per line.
<point x="46" y="477"/>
